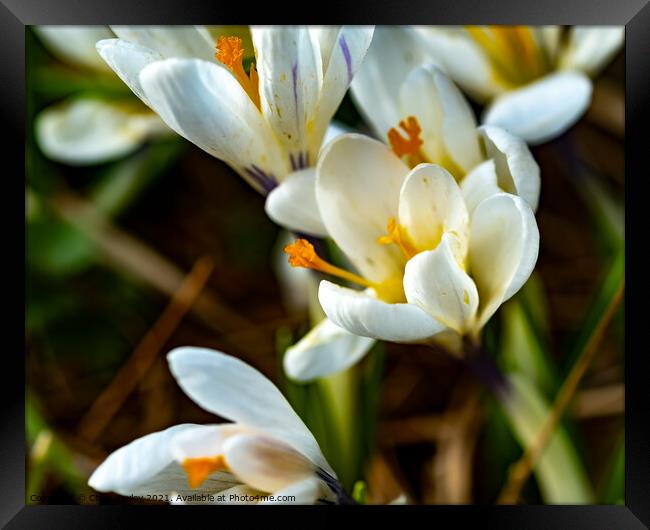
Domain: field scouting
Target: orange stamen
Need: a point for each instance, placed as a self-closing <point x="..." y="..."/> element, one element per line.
<point x="231" y="54"/>
<point x="397" y="235"/>
<point x="198" y="469"/>
<point x="410" y="145"/>
<point x="302" y="254"/>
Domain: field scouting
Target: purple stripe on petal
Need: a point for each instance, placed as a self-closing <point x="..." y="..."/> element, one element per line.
<point x="346" y="55"/>
<point x="299" y="160"/>
<point x="294" y="77"/>
<point x="266" y="181"/>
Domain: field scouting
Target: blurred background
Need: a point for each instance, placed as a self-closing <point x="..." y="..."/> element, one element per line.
<point x="161" y="245"/>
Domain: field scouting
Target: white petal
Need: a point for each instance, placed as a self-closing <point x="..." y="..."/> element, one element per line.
<point x="292" y="204"/>
<point x="92" y="131"/>
<point x="75" y="44"/>
<point x="364" y="315"/>
<point x="204" y="103"/>
<point x="305" y="491"/>
<point x="590" y="48"/>
<point x="138" y="464"/>
<point x="435" y="282"/>
<point x="290" y="78"/>
<point x="234" y="390"/>
<point x="264" y="463"/>
<point x="503" y="248"/>
<point x="463" y="60"/>
<point x="516" y="169"/>
<point x="344" y="59"/>
<point x="127" y="60"/>
<point x="170" y="41"/>
<point x="357" y="190"/>
<point x="544" y="109"/>
<point x="447" y="120"/>
<point x="393" y="53"/>
<point x="326" y="37"/>
<point x="204" y="441"/>
<point x="430" y="204"/>
<point x="326" y="349"/>
<point x="479" y="184"/>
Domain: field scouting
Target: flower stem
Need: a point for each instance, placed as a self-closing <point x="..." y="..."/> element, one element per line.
<point x="479" y="362"/>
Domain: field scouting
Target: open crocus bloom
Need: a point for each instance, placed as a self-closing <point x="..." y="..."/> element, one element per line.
<point x="267" y="124"/>
<point x="436" y="125"/>
<point x="266" y="451"/>
<point x="535" y="79"/>
<point x="431" y="269"/>
<point x="90" y="130"/>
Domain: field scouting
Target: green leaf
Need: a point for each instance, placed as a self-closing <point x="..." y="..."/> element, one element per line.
<point x="370" y="400"/>
<point x="337" y="395"/>
<point x="57" y="81"/>
<point x="598" y="307"/>
<point x="534" y="303"/>
<point x="559" y="471"/>
<point x="613" y="485"/>
<point x="523" y="351"/>
<point x="498" y="450"/>
<point x="607" y="211"/>
<point x="55" y="247"/>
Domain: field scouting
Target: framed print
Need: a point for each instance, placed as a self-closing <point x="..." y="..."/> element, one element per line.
<point x="377" y="266"/>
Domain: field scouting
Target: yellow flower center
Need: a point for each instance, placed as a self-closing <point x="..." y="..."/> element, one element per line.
<point x="231" y="54"/>
<point x="198" y="469"/>
<point x="396" y="234"/>
<point x="302" y="254"/>
<point x="515" y="55"/>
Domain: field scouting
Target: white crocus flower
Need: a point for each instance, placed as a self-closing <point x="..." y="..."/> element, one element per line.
<point x="90" y="130"/>
<point x="438" y="126"/>
<point x="535" y="80"/>
<point x="267" y="450"/>
<point x="269" y="124"/>
<point x="432" y="270"/>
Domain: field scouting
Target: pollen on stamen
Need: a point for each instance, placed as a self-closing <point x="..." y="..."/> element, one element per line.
<point x="409" y="145"/>
<point x="229" y="51"/>
<point x="301" y="254"/>
<point x="198" y="469"/>
<point x="231" y="54"/>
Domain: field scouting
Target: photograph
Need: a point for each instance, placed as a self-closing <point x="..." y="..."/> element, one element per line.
<point x="325" y="265"/>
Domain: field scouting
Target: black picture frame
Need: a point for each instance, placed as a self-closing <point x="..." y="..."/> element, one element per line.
<point x="15" y="15"/>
